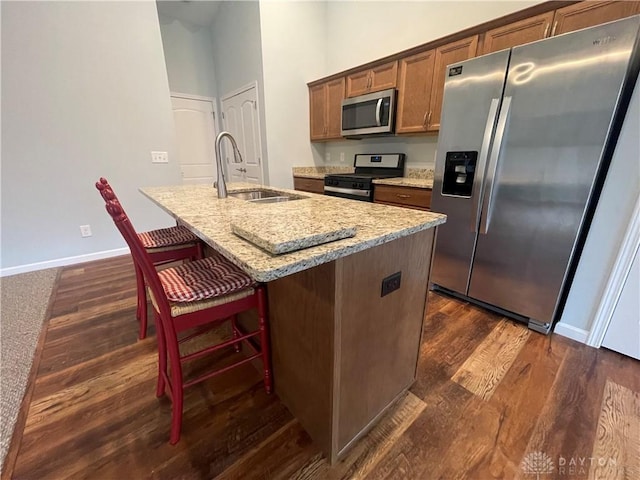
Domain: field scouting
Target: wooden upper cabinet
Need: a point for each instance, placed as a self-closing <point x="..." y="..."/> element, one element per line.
<point x="588" y="14"/>
<point x="446" y="55"/>
<point x="517" y="33"/>
<point x="325" y="109"/>
<point x="358" y="83"/>
<point x="335" y="95"/>
<point x="317" y="105"/>
<point x="414" y="92"/>
<point x="373" y="79"/>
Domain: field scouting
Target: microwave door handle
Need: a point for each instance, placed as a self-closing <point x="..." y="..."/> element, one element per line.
<point x="482" y="162"/>
<point x="487" y="201"/>
<point x="378" y="110"/>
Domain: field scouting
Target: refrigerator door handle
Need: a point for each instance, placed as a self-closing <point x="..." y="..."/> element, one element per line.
<point x="482" y="160"/>
<point x="487" y="201"/>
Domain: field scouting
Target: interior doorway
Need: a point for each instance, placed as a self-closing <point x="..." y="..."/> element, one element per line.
<point x="196" y="131"/>
<point x="241" y="118"/>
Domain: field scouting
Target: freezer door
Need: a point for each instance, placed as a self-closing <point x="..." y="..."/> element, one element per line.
<point x="559" y="101"/>
<point x="471" y="99"/>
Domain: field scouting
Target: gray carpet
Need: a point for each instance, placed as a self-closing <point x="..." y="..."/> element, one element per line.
<point x="25" y="298"/>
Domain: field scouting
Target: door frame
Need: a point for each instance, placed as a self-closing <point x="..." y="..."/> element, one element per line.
<point x="201" y="98"/>
<point x="216" y="121"/>
<point x="617" y="278"/>
<point x="238" y="91"/>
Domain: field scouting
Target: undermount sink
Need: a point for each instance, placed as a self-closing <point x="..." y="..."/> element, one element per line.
<point x="265" y="196"/>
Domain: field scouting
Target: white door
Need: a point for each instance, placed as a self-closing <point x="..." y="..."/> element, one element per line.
<point x="623" y="334"/>
<point x="195" y="134"/>
<point x="240" y="118"/>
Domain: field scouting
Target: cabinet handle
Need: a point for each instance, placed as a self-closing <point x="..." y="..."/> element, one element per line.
<point x="369" y="81"/>
<point x="555" y="25"/>
<point x="402" y="195"/>
<point x="424" y="119"/>
<point x="429" y="118"/>
<point x="546" y="30"/>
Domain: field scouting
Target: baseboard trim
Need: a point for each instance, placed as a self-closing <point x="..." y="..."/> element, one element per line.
<point x="61" y="262"/>
<point x="569" y="331"/>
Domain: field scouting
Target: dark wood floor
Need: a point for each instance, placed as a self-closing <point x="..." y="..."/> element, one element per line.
<point x="492" y="400"/>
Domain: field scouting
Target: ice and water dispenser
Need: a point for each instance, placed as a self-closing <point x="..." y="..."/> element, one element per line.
<point x="459" y="170"/>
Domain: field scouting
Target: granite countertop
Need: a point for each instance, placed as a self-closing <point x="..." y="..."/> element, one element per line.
<point x="319" y="172"/>
<point x="199" y="208"/>
<point x="318" y="175"/>
<point x="406" y="182"/>
<point x="415" y="177"/>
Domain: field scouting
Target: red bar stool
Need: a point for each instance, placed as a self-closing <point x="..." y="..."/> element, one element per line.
<point x="196" y="296"/>
<point x="164" y="245"/>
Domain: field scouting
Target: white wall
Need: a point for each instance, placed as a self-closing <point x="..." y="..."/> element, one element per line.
<point x="293" y="53"/>
<point x="237" y="55"/>
<point x="610" y="222"/>
<point x="84" y="95"/>
<point x="188" y="53"/>
<point x="363" y="31"/>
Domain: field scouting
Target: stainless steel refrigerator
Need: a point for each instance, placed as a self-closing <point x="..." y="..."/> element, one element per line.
<point x="526" y="137"/>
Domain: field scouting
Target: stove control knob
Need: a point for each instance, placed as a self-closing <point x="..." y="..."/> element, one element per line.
<point x="354" y="185"/>
<point x="361" y="185"/>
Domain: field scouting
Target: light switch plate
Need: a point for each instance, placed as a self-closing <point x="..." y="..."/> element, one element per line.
<point x="159" y="157"/>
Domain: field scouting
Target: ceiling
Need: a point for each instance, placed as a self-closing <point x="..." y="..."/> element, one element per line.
<point x="198" y="12"/>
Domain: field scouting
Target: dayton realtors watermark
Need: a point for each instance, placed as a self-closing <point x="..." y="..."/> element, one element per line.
<point x="539" y="463"/>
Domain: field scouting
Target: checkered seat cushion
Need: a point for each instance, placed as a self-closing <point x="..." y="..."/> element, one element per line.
<point x="167" y="237"/>
<point x="203" y="279"/>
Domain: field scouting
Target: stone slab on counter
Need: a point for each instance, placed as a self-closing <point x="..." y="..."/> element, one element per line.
<point x="319" y="172"/>
<point x="303" y="232"/>
<point x="415" y="177"/>
<point x="199" y="209"/>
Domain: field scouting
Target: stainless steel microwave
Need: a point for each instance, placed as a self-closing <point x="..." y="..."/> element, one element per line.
<point x="370" y="114"/>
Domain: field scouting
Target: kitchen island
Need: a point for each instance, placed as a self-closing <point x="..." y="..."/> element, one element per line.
<point x="342" y="352"/>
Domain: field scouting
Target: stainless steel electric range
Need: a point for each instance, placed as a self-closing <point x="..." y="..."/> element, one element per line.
<point x="368" y="166"/>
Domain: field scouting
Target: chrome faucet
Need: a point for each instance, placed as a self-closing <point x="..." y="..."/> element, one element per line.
<point x="220" y="184"/>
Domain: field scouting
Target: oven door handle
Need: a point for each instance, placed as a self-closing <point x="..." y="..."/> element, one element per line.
<point x="348" y="191"/>
<point x="378" y="112"/>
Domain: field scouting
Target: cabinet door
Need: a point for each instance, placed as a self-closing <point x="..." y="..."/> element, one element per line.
<point x="358" y="83"/>
<point x="446" y="55"/>
<point x="335" y="95"/>
<point x="313" y="185"/>
<point x="410" y="197"/>
<point x="384" y="76"/>
<point x="317" y="107"/>
<point x="414" y="92"/>
<point x="587" y="14"/>
<point x="517" y="33"/>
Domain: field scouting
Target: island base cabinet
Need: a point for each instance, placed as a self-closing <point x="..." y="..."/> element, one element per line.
<point x="341" y="352"/>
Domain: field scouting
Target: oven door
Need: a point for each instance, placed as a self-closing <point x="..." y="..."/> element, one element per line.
<point x="369" y="114"/>
<point x="351" y="193"/>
